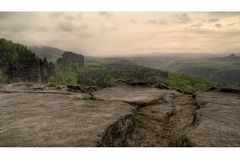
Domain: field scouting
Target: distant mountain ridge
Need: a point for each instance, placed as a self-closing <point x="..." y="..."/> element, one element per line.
<point x="50" y="53"/>
<point x="222" y="69"/>
<point x="70" y="58"/>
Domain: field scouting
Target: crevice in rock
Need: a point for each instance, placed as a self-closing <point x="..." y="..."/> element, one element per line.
<point x="140" y="129"/>
<point x="116" y="135"/>
<point x="144" y="128"/>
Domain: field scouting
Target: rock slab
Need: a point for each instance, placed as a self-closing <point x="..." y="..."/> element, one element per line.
<point x="43" y="118"/>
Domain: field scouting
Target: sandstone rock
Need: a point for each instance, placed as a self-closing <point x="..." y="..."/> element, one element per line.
<point x="69" y="58"/>
<point x="137" y="95"/>
<point x="32" y="87"/>
<point x="47" y="118"/>
<point x="82" y="88"/>
<point x="210" y="118"/>
<point x="218" y="120"/>
<point x="37" y="114"/>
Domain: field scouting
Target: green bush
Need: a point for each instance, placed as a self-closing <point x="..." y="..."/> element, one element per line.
<point x="87" y="98"/>
<point x="64" y="76"/>
<point x="188" y="83"/>
<point x="108" y="74"/>
<point x="2" y="79"/>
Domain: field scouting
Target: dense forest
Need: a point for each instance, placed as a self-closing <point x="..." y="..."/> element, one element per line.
<point x="223" y="69"/>
<point x="105" y="75"/>
<point x="18" y="63"/>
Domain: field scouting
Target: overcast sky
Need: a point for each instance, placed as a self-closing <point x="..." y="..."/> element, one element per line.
<point x="125" y="33"/>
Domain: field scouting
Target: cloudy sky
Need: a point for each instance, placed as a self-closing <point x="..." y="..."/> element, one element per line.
<point x="125" y="33"/>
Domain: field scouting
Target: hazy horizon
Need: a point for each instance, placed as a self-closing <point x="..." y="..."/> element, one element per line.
<point x="113" y="34"/>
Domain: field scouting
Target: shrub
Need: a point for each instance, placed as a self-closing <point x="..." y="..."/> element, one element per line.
<point x="188" y="83"/>
<point x="64" y="77"/>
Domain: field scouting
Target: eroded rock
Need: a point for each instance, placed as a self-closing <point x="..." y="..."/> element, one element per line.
<point x="209" y="118"/>
<point x="37" y="114"/>
<point x="44" y="118"/>
<point x="162" y="120"/>
<point x="218" y="120"/>
<point x="138" y="95"/>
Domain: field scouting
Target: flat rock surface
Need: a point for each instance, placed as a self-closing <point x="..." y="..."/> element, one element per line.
<point x="134" y="94"/>
<point x="32" y="88"/>
<point x="170" y="118"/>
<point x="218" y="120"/>
<point x="37" y="114"/>
<point x="54" y="118"/>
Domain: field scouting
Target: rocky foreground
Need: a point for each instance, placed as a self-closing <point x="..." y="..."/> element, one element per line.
<point x="42" y="115"/>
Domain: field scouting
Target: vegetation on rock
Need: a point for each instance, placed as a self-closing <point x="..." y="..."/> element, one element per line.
<point x="64" y="76"/>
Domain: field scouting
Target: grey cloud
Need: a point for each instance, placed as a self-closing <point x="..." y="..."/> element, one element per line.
<point x="105" y="14"/>
<point x="113" y="29"/>
<point x="162" y="22"/>
<point x="134" y="21"/>
<point x="104" y="29"/>
<point x="84" y="35"/>
<point x="70" y="17"/>
<point x="42" y="29"/>
<point x="21" y="16"/>
<point x="77" y="16"/>
<point x="84" y="27"/>
<point x="6" y="14"/>
<point x="232" y="24"/>
<point x="196" y="25"/>
<point x="80" y="15"/>
<point x="66" y="27"/>
<point x="214" y="34"/>
<point x="224" y="14"/>
<point x="218" y="25"/>
<point x="214" y="20"/>
<point x="183" y="18"/>
<point x="56" y="14"/>
<point x="157" y="22"/>
<point x="152" y="21"/>
<point x="201" y="31"/>
<point x="7" y="26"/>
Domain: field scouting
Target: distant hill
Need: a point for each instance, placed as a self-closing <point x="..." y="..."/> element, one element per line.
<point x="53" y="54"/>
<point x="70" y="58"/>
<point x="50" y="53"/>
<point x="224" y="70"/>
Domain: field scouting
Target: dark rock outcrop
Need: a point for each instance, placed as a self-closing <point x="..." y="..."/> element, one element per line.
<point x="70" y="58"/>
